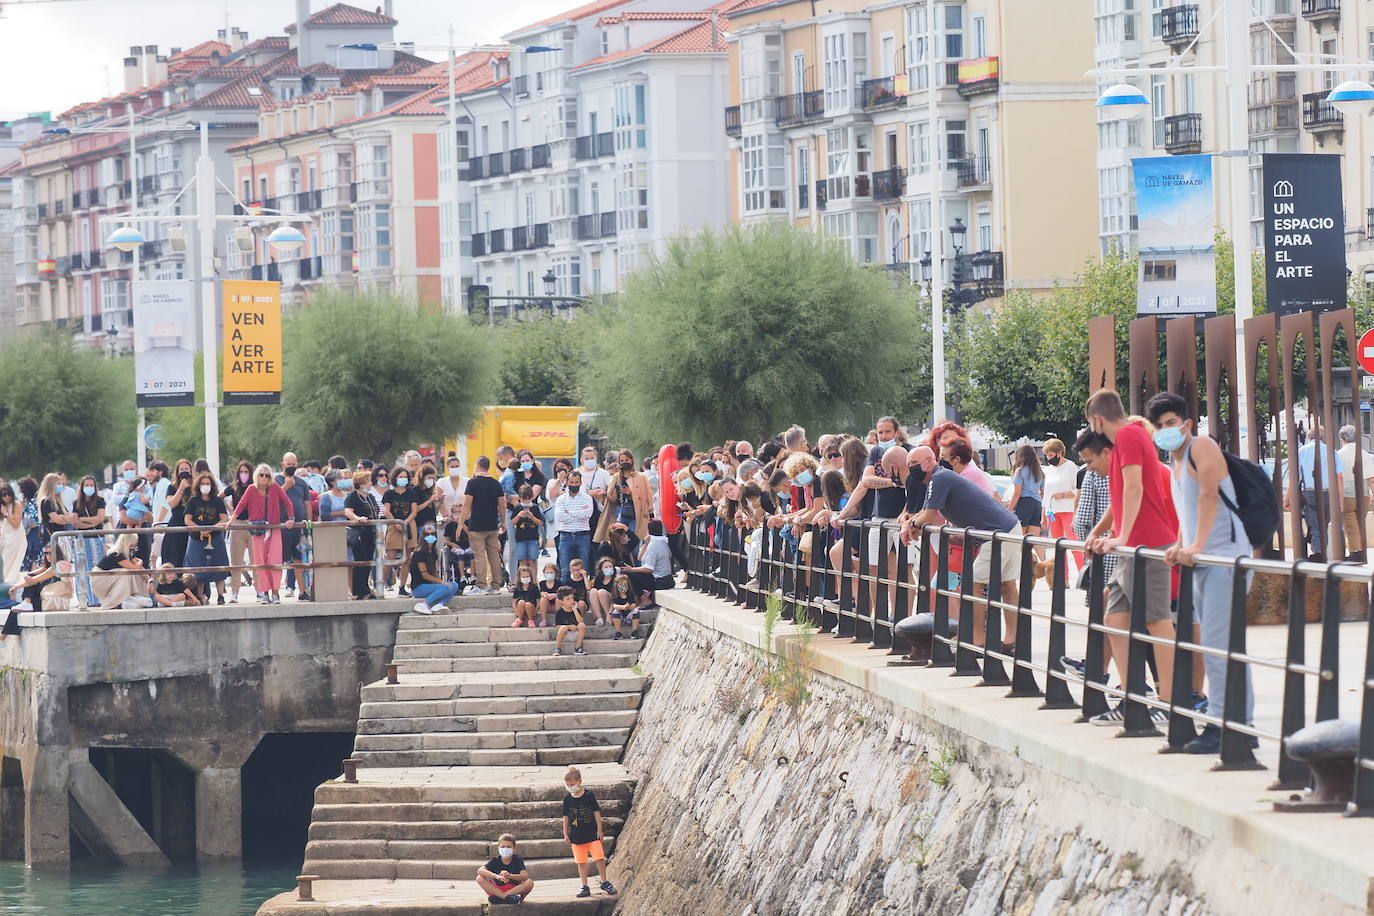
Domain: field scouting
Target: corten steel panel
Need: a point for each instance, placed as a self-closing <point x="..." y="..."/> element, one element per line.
<point x="1264" y="330"/>
<point x="1144" y="380"/>
<point x="1219" y="334"/>
<point x="1332" y="323"/>
<point x="1180" y="359"/>
<point x="1292" y="329"/>
<point x="1101" y="353"/>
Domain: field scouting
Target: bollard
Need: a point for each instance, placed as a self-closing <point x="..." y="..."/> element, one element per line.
<point x="391" y="675"/>
<point x="1329" y="749"/>
<point x="350" y="770"/>
<point x="303" y="888"/>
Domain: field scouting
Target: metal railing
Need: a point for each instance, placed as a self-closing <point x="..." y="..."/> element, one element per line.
<point x="1321" y="9"/>
<point x="880" y="93"/>
<point x="732" y="122"/>
<point x="1179" y="24"/>
<point x="1319" y="114"/>
<point x="1183" y="133"/>
<point x="867" y="603"/>
<point x="798" y="107"/>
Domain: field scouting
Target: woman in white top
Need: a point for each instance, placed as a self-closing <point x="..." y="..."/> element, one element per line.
<point x="1061" y="497"/>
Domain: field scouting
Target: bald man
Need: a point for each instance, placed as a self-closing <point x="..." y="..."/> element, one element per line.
<point x="964" y="505"/>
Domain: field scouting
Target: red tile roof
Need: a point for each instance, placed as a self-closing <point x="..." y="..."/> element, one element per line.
<point x="581" y="12"/>
<point x="343" y="14"/>
<point x="236" y="95"/>
<point x="695" y="39"/>
<point x="634" y="17"/>
<point x="204" y="49"/>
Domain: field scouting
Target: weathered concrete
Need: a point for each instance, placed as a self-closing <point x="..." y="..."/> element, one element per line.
<point x="901" y="790"/>
<point x="203" y="683"/>
<point x="118" y="829"/>
<point x="407" y="897"/>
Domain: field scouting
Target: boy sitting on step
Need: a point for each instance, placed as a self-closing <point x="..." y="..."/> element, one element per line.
<point x="505" y="879"/>
<point x="583" y="830"/>
<point x="568" y="617"/>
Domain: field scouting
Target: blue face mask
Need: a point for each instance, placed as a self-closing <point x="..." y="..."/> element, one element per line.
<point x="705" y="476"/>
<point x="402" y="481"/>
<point x="129" y="475"/>
<point x="346" y="483"/>
<point x="1169" y="439"/>
<point x="430" y="539"/>
<point x="804" y="478"/>
<point x="527" y="465"/>
<point x="884" y="446"/>
<point x="89" y="491"/>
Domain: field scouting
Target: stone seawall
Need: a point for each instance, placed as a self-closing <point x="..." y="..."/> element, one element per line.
<point x="850" y="803"/>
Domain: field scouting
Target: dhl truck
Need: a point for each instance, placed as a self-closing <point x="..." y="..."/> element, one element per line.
<point x="548" y="432"/>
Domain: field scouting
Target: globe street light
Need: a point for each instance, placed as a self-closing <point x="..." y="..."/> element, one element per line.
<point x="125" y="238"/>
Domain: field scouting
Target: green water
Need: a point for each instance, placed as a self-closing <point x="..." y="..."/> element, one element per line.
<point x="100" y="890"/>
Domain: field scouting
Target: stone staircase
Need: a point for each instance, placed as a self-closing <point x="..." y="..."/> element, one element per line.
<point x="472" y="743"/>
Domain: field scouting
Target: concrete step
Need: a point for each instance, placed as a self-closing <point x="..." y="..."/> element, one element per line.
<point x="476" y="636"/>
<point x="541" y="869"/>
<point x="512" y="757"/>
<point x="436" y="850"/>
<point x="436" y="897"/>
<point x="605" y="644"/>
<point x="415" y="725"/>
<point x="487" y="616"/>
<point x="458" y="811"/>
<point x="547" y="828"/>
<point x="610" y="782"/>
<point x="485" y="740"/>
<point x="565" y="662"/>
<point x="487" y="707"/>
<point x="545" y="682"/>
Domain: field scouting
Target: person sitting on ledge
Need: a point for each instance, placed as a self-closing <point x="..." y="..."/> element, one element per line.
<point x="505" y="879"/>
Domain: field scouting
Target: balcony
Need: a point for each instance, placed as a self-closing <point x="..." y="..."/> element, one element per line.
<point x="148" y="184"/>
<point x="540" y="156"/>
<point x="353" y="192"/>
<point x="520" y="238"/>
<point x="149" y="250"/>
<point x="1320" y="116"/>
<point x="82" y="200"/>
<point x="798" y="108"/>
<point x="1274" y="117"/>
<point x="1183" y="134"/>
<point x="496" y="165"/>
<point x="476" y="169"/>
<point x="306" y="201"/>
<point x="595" y="226"/>
<point x="1321" y="10"/>
<point x="880" y="94"/>
<point x="521" y="87"/>
<point x="63" y="266"/>
<point x="732" y="125"/>
<point x="78" y="261"/>
<point x="271" y="203"/>
<point x="309" y="268"/>
<point x="1178" y="25"/>
<point x="479" y="244"/>
<point x="59" y="207"/>
<point x="978" y="76"/>
<point x="496" y="241"/>
<point x="519" y="160"/>
<point x="594" y="146"/>
<point x="973" y="171"/>
<point x="541" y="236"/>
<point x="820" y="194"/>
<point x="863" y="185"/>
<point x="889" y="184"/>
<point x="94" y="260"/>
<point x="1369" y="223"/>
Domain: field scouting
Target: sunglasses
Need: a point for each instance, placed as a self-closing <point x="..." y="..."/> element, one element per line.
<point x="264" y="475"/>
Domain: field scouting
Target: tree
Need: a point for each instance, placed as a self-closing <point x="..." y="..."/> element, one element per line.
<point x="62" y="408"/>
<point x="365" y="374"/>
<point x="745" y="331"/>
<point x="540" y="357"/>
<point x="1006" y="356"/>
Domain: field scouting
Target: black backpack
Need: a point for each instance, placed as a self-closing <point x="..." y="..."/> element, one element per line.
<point x="1256" y="504"/>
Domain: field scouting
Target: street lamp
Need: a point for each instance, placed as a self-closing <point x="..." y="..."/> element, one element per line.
<point x="285" y="239"/>
<point x="957" y="231"/>
<point x="550" y="282"/>
<point x="125" y="238"/>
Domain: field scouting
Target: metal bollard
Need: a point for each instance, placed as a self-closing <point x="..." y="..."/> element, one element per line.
<point x="350" y="770"/>
<point x="303" y="887"/>
<point x="391" y="675"/>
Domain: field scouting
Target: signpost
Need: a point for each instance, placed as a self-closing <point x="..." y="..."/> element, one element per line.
<point x="1304" y="233"/>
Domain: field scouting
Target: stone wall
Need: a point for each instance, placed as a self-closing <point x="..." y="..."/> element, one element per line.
<point x="849" y="804"/>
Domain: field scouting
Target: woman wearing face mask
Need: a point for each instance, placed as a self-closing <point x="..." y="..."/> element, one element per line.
<point x="240" y="541"/>
<point x="398" y="503"/>
<point x="599" y="592"/>
<point x="265" y="503"/>
<point x="1061" y="488"/>
<point x="332" y="500"/>
<point x="629" y="500"/>
<point x="174" y="542"/>
<point x="425" y="582"/>
<point x="13" y="543"/>
<point x="1028" y="486"/>
<point x="426" y="497"/>
<point x="360" y="507"/>
<point x="90" y="514"/>
<point x="205" y="512"/>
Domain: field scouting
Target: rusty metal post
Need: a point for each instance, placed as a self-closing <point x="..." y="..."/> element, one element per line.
<point x="1223" y="417"/>
<point x="1101" y="353"/>
<point x="1341" y="321"/>
<point x="1180" y="356"/>
<point x="304" y="891"/>
<point x="350" y="769"/>
<point x="1264" y="330"/>
<point x="1144" y="365"/>
<point x="391" y="674"/>
<point x="1292" y="329"/>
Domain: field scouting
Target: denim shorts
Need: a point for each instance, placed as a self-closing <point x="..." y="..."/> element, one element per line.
<point x="526" y="550"/>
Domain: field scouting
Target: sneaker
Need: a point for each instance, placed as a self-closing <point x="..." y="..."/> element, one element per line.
<point x="601" y="621"/>
<point x="557" y="651"/>
<point x="618" y="636"/>
<point x="1073" y="664"/>
<point x="1159" y="716"/>
<point x="529" y="623"/>
<point x="234" y="598"/>
<point x="290" y="592"/>
<point x="608" y="888"/>
<point x="492" y="898"/>
<point x="513" y="899"/>
<point x="1198" y="703"/>
<point x="579" y="651"/>
<point x="585" y="892"/>
<point x="402" y="593"/>
<point x="28" y="606"/>
<point x="635" y="635"/>
<point x="1112" y="717"/>
<point x="1209" y="742"/>
<point x="421" y="608"/>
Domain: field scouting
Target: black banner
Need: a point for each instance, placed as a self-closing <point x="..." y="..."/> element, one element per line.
<point x="1304" y="233"/>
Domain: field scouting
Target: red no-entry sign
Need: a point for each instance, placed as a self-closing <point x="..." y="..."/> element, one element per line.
<point x="1364" y="351"/>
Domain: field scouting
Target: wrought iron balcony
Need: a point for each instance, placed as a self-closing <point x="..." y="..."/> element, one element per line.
<point x="540" y="156"/>
<point x="1369" y="223"/>
<point x="496" y="165"/>
<point x="863" y="185"/>
<point x="540" y="237"/>
<point x="1319" y="115"/>
<point x="496" y="240"/>
<point x="1321" y="10"/>
<point x="1183" y="134"/>
<point x="595" y="226"/>
<point x="1178" y="25"/>
<point x="732" y="124"/>
<point x="889" y="184"/>
<point x="476" y="169"/>
<point x="605" y="143"/>
<point x="973" y="171"/>
<point x="978" y="76"/>
<point x="479" y="244"/>
<point x="594" y="146"/>
<point x="521" y="86"/>
<point x="798" y="108"/>
<point x="42" y="211"/>
<point x="307" y="201"/>
<point x="519" y="160"/>
<point x="520" y="238"/>
<point x="880" y="93"/>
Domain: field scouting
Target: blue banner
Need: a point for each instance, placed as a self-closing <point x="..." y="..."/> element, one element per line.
<point x="1177" y="222"/>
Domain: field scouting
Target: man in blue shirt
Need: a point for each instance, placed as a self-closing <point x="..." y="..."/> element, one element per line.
<point x="1314" y="451"/>
<point x="505" y="460"/>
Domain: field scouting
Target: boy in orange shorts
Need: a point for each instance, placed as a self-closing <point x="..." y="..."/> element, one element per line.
<point x="582" y="831"/>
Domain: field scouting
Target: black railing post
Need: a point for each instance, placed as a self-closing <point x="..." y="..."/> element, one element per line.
<point x="1136" y="720"/>
<point x="864" y="609"/>
<point x="1328" y="685"/>
<point x="844" y="624"/>
<point x="755" y="595"/>
<point x="901" y="594"/>
<point x="941" y="655"/>
<point x="1057" y="695"/>
<point x="1022" y="677"/>
<point x="965" y="658"/>
<point x="880" y="620"/>
<point x="1181" y="729"/>
<point x="820" y="538"/>
<point x="1292" y="774"/>
<point x="994" y="674"/>
<point x="1361" y="803"/>
<point x="1236" y="753"/>
<point x="1095" y="656"/>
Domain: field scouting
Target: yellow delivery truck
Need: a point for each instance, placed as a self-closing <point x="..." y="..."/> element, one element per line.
<point x="548" y="432"/>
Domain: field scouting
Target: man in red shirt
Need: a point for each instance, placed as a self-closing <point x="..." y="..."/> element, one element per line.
<point x="1141" y="514"/>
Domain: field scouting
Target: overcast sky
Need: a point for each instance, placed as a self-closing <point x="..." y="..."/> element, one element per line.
<point x="57" y="53"/>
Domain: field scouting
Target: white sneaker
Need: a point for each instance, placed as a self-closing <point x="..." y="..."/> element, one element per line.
<point x="438" y="608"/>
<point x="23" y="606"/>
<point x="421" y="608"/>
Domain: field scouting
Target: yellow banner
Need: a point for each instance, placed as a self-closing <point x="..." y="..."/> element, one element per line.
<point x="546" y="439"/>
<point x="252" y="342"/>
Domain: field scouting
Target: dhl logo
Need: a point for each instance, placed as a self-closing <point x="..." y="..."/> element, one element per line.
<point x="551" y="434"/>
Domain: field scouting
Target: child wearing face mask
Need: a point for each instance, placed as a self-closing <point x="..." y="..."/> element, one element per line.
<point x="569" y="620"/>
<point x="548" y="593"/>
<point x="505" y="879"/>
<point x="525" y="597"/>
<point x="584" y="831"/>
<point x="528" y="521"/>
<point x="625" y="606"/>
<point x="599" y="594"/>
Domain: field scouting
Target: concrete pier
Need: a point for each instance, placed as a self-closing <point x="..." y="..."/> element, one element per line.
<point x="128" y="732"/>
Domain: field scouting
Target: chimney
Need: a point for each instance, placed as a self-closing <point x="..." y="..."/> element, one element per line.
<point x="131" y="74"/>
<point x="302" y="44"/>
<point x="386" y="8"/>
<point x="219" y="35"/>
<point x="715" y="29"/>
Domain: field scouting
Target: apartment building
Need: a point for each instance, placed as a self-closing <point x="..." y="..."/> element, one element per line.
<point x="592" y="147"/>
<point x="1188" y="113"/>
<point x="81" y="168"/>
<point x="887" y="125"/>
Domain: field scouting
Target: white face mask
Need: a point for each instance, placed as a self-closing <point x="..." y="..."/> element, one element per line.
<point x="524" y="580"/>
<point x="506" y="852"/>
<point x="453" y="471"/>
<point x="589" y="462"/>
<point x="205" y="489"/>
<point x="575" y="790"/>
<point x="549" y="577"/>
<point x="429" y="481"/>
